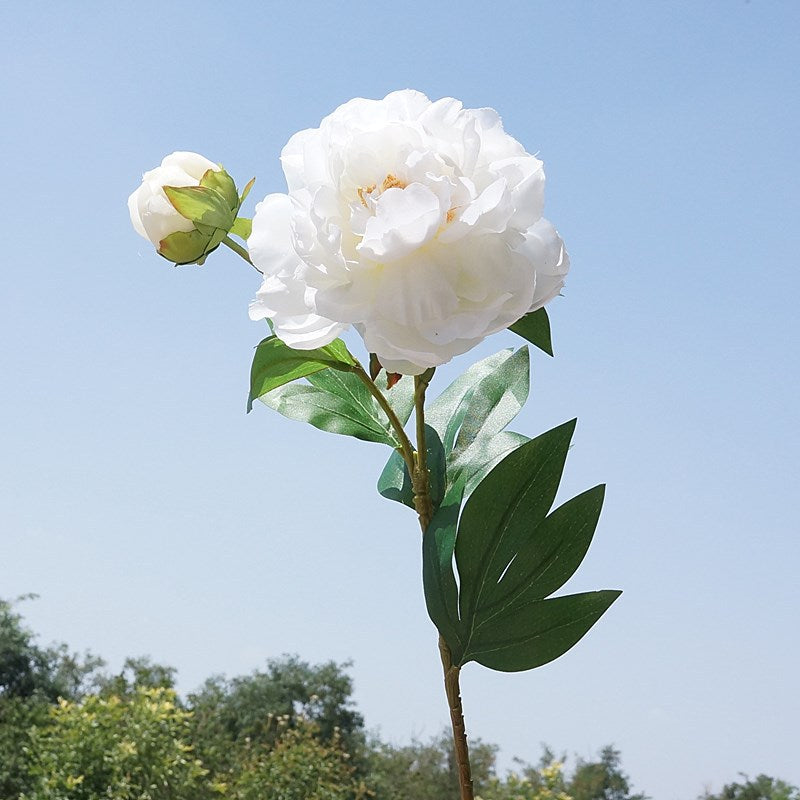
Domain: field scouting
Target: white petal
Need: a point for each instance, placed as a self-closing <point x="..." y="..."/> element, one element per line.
<point x="543" y="247"/>
<point x="193" y="164"/>
<point x="405" y="219"/>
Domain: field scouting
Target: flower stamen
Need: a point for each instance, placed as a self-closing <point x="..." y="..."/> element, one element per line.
<point x="391" y="182"/>
<point x="365" y="190"/>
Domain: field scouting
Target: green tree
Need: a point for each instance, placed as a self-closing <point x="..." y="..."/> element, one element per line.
<point x="228" y="713"/>
<point x="300" y="766"/>
<point x="32" y="677"/>
<point x="601" y="780"/>
<point x="536" y="783"/>
<point x="136" y="673"/>
<point x="134" y="748"/>
<point x="27" y="669"/>
<point x="762" y="787"/>
<point x="424" y="770"/>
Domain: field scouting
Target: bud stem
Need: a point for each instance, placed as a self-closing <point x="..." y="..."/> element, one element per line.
<point x="239" y="250"/>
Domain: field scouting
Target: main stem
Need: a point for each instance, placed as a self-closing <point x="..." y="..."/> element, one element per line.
<point x="420" y="480"/>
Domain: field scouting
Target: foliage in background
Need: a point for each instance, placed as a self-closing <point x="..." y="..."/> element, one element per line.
<point x="69" y="731"/>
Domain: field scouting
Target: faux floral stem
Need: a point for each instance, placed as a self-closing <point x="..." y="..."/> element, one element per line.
<point x="420" y="479"/>
<point x="406" y="448"/>
<point x="453" y="692"/>
<point x="424" y="507"/>
<point x="239" y="250"/>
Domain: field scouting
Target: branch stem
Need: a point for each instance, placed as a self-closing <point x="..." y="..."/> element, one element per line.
<point x="239" y="250"/>
<point x="406" y="448"/>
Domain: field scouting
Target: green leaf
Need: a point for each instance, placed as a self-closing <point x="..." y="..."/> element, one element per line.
<point x="511" y="500"/>
<point x="548" y="556"/>
<point x="223" y="183"/>
<point x="446" y="412"/>
<point x="275" y="364"/>
<point x="400" y="395"/>
<point x="535" y="327"/>
<point x="202" y="205"/>
<point x="395" y="482"/>
<point x="184" y="247"/>
<point x="325" y="411"/>
<point x="495" y="400"/>
<point x="349" y="388"/>
<point x="509" y="556"/>
<point x="242" y="227"/>
<point x="487" y="451"/>
<point x="538" y="632"/>
<point x="438" y="579"/>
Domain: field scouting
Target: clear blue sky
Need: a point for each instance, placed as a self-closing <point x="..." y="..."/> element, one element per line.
<point x="153" y="516"/>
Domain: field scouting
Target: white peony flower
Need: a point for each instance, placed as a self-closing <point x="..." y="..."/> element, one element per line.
<point x="418" y="223"/>
<point x="152" y="214"/>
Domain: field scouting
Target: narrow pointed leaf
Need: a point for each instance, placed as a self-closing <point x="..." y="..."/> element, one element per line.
<point x="349" y="388"/>
<point x="496" y="400"/>
<point x="246" y="190"/>
<point x="438" y="578"/>
<point x="511" y="500"/>
<point x="399" y="393"/>
<point x="482" y="457"/>
<point x="535" y="327"/>
<point x="443" y="413"/>
<point x="548" y="557"/>
<point x="537" y="633"/>
<point x="275" y="364"/>
<point x="325" y="411"/>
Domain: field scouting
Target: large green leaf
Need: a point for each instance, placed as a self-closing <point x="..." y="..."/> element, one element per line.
<point x="535" y="327"/>
<point x="446" y="412"/>
<point x="509" y="556"/>
<point x="538" y="632"/>
<point x="275" y="364"/>
<point x="473" y="409"/>
<point x="545" y="558"/>
<point x="326" y="411"/>
<point x="513" y="498"/>
<point x="438" y="580"/>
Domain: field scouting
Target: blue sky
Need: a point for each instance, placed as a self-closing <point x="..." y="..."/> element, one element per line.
<point x="152" y="515"/>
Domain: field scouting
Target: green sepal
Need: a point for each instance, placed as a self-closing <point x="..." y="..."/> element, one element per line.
<point x="185" y="247"/>
<point x="275" y="364"/>
<point x="202" y="205"/>
<point x="219" y="180"/>
<point x="242" y="227"/>
<point x="535" y="327"/>
<point x="246" y="190"/>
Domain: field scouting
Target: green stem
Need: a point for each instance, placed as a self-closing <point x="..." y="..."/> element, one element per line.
<point x="406" y="448"/>
<point x="238" y="249"/>
<point x="420" y="478"/>
<point x="422" y="502"/>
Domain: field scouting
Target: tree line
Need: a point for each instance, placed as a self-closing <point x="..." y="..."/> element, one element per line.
<point x="69" y="730"/>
